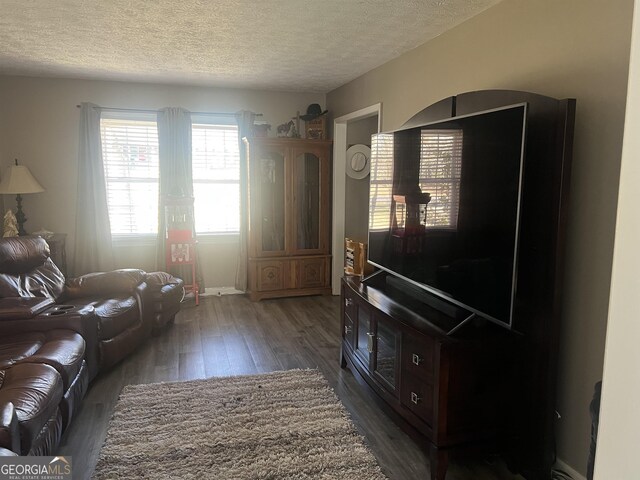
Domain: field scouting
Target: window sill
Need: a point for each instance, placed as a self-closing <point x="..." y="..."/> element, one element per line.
<point x="218" y="238"/>
<point x="134" y="240"/>
<point x="150" y="240"/>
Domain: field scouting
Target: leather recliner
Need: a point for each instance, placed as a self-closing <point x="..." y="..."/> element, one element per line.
<point x="121" y="302"/>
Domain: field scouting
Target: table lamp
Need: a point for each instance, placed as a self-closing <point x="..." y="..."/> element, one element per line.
<point x="18" y="179"/>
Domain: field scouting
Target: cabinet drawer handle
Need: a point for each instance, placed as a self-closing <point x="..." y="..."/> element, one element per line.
<point x="370" y="342"/>
<point x="415" y="399"/>
<point x="347" y="329"/>
<point x="348" y="302"/>
<point x="416" y="359"/>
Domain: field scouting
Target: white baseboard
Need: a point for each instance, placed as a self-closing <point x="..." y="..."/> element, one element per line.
<point x="560" y="465"/>
<point x="219" y="291"/>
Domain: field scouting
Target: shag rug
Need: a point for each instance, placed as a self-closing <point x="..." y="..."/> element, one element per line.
<point x="277" y="425"/>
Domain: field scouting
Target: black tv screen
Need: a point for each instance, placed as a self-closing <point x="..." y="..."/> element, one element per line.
<point x="444" y="207"/>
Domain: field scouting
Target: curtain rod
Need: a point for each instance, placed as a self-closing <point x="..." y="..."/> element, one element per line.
<point x="139" y="110"/>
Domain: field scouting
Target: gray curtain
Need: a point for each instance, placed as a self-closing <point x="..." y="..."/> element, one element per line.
<point x="176" y="177"/>
<point x="93" y="248"/>
<point x="244" y="120"/>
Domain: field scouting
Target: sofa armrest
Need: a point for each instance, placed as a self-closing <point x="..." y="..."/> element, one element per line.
<point x="104" y="283"/>
<point x="9" y="430"/>
<point x="158" y="280"/>
<point x="21" y="308"/>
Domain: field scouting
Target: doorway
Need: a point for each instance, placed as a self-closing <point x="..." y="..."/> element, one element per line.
<point x="350" y="209"/>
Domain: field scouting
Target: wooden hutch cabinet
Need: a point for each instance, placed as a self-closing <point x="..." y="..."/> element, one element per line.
<point x="289" y="245"/>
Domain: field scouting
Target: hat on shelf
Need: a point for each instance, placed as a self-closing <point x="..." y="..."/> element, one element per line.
<point x="313" y="111"/>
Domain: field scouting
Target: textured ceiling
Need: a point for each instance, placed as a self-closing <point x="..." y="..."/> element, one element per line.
<point x="296" y="45"/>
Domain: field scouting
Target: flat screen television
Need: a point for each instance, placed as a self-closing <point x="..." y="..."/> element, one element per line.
<point x="444" y="208"/>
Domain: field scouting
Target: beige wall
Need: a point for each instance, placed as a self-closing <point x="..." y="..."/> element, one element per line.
<point x="560" y="48"/>
<point x="41" y="125"/>
<point x="618" y="435"/>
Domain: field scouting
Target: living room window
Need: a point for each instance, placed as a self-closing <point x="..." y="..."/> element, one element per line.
<point x="216" y="177"/>
<point x="130" y="156"/>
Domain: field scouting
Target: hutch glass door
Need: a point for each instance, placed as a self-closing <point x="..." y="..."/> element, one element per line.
<point x="307" y="201"/>
<point x="272" y="201"/>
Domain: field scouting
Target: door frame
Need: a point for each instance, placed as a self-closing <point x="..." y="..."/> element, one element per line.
<point x="340" y="128"/>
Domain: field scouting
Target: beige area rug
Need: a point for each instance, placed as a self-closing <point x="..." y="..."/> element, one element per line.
<point x="277" y="425"/>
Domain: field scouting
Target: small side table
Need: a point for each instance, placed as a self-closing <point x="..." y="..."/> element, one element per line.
<point x="57" y="245"/>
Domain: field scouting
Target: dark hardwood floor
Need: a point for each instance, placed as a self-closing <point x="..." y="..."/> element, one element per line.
<point x="230" y="335"/>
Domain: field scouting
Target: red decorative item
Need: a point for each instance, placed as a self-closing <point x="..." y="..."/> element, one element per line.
<point x="180" y="241"/>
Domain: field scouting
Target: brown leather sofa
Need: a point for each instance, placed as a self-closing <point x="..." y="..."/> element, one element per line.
<point x="124" y="306"/>
<point x="57" y="334"/>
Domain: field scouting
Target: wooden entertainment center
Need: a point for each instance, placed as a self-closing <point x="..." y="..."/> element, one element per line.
<point x="458" y="382"/>
<point x="451" y="390"/>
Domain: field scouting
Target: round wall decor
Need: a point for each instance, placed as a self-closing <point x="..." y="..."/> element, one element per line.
<point x="358" y="161"/>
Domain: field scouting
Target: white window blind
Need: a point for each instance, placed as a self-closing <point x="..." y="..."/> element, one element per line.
<point x="130" y="157"/>
<point x="440" y="170"/>
<point x="381" y="182"/>
<point x="216" y="178"/>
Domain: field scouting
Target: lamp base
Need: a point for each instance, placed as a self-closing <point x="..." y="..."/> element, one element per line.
<point x="20" y="216"/>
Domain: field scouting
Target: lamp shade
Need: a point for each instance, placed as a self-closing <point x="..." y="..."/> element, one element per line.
<point x="18" y="179"/>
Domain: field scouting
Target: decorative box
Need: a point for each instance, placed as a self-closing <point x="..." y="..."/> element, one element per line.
<point x="316" y="129"/>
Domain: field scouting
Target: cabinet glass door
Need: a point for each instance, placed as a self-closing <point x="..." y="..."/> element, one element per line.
<point x="307" y="198"/>
<point x="365" y="336"/>
<point x="272" y="206"/>
<point x="386" y="352"/>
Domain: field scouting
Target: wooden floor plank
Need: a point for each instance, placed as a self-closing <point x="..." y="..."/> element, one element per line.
<point x="214" y="353"/>
<point x="231" y="335"/>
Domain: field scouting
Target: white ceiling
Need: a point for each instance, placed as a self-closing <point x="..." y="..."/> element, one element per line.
<point x="291" y="45"/>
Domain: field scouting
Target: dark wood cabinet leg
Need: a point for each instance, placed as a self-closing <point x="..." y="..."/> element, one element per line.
<point x="439" y="462"/>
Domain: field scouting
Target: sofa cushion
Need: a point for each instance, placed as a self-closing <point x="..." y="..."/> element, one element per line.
<point x="35" y="390"/>
<point x="115" y="314"/>
<point x="15" y="348"/>
<point x="61" y="349"/>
